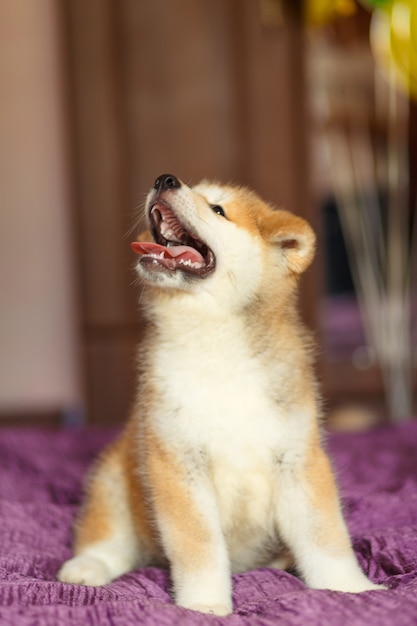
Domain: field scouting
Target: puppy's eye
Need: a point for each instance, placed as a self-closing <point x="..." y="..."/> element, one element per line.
<point x="218" y="209"/>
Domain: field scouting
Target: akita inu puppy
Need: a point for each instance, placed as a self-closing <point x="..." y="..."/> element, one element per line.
<point x="220" y="468"/>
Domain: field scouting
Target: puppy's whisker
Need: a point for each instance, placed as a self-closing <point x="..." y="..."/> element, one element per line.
<point x="138" y="226"/>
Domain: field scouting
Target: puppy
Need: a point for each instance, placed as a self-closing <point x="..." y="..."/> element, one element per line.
<point x="220" y="468"/>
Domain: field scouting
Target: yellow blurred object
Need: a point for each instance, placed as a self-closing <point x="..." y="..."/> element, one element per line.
<point x="413" y="26"/>
<point x="393" y="37"/>
<point x="375" y="4"/>
<point x="319" y="12"/>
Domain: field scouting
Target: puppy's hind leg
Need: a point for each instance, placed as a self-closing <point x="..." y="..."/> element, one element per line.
<point x="106" y="542"/>
<point x="311" y="524"/>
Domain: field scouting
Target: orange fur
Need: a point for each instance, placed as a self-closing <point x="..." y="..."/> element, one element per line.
<point x="93" y="523"/>
<point x="173" y="502"/>
<point x="323" y="493"/>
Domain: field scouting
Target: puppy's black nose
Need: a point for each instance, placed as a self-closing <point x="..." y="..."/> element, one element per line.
<point x="166" y="181"/>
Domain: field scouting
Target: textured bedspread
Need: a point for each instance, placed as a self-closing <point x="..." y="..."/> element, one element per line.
<point x="40" y="475"/>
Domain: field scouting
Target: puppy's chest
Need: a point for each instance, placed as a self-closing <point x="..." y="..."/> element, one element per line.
<point x="209" y="382"/>
<point x="213" y="394"/>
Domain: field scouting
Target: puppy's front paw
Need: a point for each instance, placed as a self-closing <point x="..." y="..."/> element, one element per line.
<point x="85" y="570"/>
<point x="214" y="609"/>
<point x="364" y="586"/>
<point x="357" y="584"/>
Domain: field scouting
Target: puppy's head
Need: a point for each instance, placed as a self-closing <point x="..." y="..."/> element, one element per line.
<point x="213" y="237"/>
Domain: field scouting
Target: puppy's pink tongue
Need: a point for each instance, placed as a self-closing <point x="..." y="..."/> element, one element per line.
<point x="183" y="253"/>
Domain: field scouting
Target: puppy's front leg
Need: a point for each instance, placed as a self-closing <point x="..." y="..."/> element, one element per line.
<point x="189" y="526"/>
<point x="311" y="523"/>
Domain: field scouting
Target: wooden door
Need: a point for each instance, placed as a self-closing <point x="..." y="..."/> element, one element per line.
<point x="195" y="88"/>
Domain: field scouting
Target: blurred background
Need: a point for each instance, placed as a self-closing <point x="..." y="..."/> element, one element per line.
<point x="310" y="103"/>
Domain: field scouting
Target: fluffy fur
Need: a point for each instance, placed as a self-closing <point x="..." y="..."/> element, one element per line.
<point x="220" y="468"/>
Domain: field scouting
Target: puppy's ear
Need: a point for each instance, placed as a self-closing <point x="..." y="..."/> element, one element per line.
<point x="293" y="235"/>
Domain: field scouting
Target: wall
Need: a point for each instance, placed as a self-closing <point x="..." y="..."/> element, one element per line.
<point x="38" y="326"/>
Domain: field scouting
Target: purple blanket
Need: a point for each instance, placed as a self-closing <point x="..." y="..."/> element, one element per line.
<point x="40" y="476"/>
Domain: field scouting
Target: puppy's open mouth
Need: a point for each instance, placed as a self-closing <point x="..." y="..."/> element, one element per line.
<point x="174" y="247"/>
